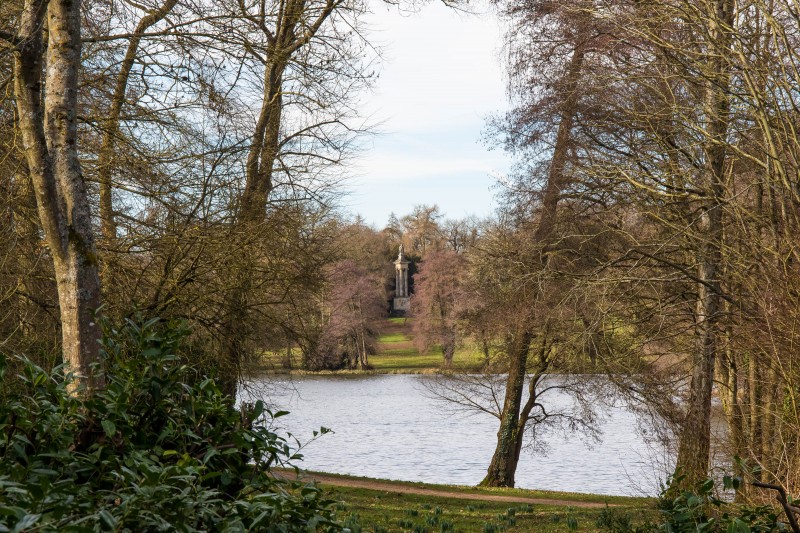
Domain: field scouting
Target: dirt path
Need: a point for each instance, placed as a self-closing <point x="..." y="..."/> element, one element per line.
<point x="406" y="489"/>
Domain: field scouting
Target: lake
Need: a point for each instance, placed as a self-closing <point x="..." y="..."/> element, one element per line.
<point x="389" y="426"/>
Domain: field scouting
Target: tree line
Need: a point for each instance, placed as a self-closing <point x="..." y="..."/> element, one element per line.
<point x="178" y="159"/>
<point x="648" y="229"/>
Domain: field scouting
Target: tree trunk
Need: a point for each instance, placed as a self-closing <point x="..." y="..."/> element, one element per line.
<point x="362" y="330"/>
<point x="235" y="327"/>
<point x="555" y="177"/>
<point x="364" y="364"/>
<point x="754" y="407"/>
<point x="487" y="354"/>
<point x="732" y="404"/>
<point x="292" y="30"/>
<point x="695" y="436"/>
<point x="503" y="467"/>
<point x="264" y="147"/>
<point x="770" y="419"/>
<point x="49" y="136"/>
<point x="449" y="348"/>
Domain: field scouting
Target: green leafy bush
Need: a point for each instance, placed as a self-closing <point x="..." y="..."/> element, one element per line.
<point x="701" y="511"/>
<point x="160" y="449"/>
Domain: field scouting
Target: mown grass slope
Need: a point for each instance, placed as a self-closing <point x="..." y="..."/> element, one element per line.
<point x="397" y="354"/>
<point x="393" y="511"/>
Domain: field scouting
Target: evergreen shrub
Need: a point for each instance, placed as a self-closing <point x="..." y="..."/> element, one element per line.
<point x="700" y="510"/>
<point x="159" y="449"/>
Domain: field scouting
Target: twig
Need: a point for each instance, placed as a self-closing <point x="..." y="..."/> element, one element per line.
<point x="790" y="510"/>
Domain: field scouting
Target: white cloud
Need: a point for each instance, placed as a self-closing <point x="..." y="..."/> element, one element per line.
<point x="440" y="66"/>
<point x="440" y="78"/>
<point x="391" y="167"/>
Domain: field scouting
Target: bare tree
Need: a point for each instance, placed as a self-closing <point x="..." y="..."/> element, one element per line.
<point x="460" y="235"/>
<point x="534" y="318"/>
<point x="570" y="33"/>
<point x="421" y="232"/>
<point x="356" y="302"/>
<point x="440" y="297"/>
<point x="111" y="121"/>
<point x="660" y="147"/>
<point x="286" y="29"/>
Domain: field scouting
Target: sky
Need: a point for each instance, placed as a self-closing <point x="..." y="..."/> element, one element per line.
<point x="440" y="79"/>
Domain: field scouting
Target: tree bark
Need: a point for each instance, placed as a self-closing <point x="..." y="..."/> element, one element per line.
<point x="49" y="133"/>
<point x="264" y="147"/>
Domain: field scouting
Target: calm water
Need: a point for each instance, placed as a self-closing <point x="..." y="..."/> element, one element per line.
<point x="388" y="426"/>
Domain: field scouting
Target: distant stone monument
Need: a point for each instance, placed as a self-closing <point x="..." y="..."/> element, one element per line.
<point x="401" y="296"/>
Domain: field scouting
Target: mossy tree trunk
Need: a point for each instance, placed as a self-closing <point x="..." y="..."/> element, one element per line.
<point x="512" y="428"/>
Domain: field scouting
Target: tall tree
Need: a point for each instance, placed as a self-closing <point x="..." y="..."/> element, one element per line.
<point x="307" y="60"/>
<point x="695" y="439"/>
<point x="659" y="144"/>
<point x="287" y="28"/>
<point x="48" y="123"/>
<point x="569" y="34"/>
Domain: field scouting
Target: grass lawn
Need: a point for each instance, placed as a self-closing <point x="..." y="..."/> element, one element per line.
<point x="394" y="338"/>
<point x="388" y="511"/>
<point x="398" y="361"/>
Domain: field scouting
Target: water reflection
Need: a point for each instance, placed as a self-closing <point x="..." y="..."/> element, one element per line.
<point x="386" y="426"/>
